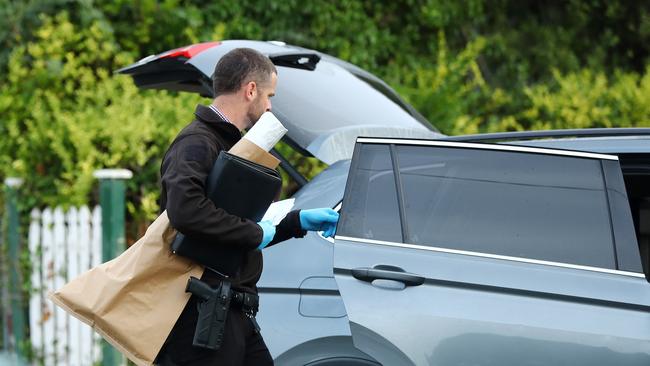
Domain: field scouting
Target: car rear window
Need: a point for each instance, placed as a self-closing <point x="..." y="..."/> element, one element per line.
<point x="331" y="97"/>
<point x="537" y="206"/>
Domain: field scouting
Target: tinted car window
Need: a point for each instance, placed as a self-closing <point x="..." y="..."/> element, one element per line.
<point x="527" y="205"/>
<point x="370" y="205"/>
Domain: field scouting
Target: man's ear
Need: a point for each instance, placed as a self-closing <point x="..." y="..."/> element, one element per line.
<point x="250" y="90"/>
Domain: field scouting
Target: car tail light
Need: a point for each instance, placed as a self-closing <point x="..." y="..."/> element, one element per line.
<point x="189" y="51"/>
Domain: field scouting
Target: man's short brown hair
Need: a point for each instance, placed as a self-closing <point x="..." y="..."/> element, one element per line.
<point x="240" y="66"/>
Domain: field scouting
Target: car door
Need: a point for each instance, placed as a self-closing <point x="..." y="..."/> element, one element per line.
<point x="478" y="254"/>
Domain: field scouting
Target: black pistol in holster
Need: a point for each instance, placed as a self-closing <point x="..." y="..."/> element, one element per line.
<point x="213" y="310"/>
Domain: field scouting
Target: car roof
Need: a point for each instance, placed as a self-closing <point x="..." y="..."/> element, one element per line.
<point x="605" y="145"/>
<point x="597" y="140"/>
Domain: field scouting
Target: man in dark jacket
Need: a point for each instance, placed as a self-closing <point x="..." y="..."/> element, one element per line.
<point x="244" y="81"/>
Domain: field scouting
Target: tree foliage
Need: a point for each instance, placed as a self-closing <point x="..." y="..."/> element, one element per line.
<point x="469" y="67"/>
<point x="65" y="114"/>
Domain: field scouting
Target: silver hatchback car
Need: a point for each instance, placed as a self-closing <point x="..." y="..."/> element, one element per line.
<point x="450" y="250"/>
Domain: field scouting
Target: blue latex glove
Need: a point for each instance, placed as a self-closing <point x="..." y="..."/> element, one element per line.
<point x="269" y="232"/>
<point x="319" y="219"/>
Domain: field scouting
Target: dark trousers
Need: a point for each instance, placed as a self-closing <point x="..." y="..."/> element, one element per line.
<point x="242" y="345"/>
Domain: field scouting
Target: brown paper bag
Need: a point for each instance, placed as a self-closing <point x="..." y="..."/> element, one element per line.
<point x="244" y="148"/>
<point x="134" y="300"/>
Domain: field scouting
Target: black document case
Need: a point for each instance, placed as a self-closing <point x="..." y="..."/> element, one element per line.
<point x="242" y="188"/>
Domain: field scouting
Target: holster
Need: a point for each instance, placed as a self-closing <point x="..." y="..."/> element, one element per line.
<point x="213" y="312"/>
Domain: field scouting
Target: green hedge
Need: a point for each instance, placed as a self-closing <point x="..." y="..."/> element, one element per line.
<point x="473" y="66"/>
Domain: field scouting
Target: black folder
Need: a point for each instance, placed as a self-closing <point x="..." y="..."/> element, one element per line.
<point x="242" y="188"/>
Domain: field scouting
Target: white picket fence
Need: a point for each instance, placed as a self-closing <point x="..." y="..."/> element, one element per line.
<point x="62" y="246"/>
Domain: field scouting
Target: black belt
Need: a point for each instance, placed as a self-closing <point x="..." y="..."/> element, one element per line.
<point x="247" y="301"/>
<point x="249" y="304"/>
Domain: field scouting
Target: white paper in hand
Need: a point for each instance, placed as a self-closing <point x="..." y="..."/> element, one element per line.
<point x="266" y="132"/>
<point x="278" y="210"/>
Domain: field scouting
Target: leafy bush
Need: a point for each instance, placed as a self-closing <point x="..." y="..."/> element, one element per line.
<point x="588" y="99"/>
<point x="455" y="97"/>
<point x="473" y="66"/>
<point x="66" y="115"/>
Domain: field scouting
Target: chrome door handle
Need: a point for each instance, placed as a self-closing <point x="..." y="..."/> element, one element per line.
<point x="394" y="274"/>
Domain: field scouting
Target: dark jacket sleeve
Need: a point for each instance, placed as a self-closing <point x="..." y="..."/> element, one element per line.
<point x="288" y="228"/>
<point x="185" y="169"/>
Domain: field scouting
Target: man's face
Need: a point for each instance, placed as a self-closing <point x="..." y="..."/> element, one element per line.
<point x="262" y="100"/>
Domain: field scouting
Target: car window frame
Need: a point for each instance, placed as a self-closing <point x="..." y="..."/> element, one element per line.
<point x="625" y="246"/>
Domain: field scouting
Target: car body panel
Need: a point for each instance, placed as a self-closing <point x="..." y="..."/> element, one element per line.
<point x="469" y="302"/>
<point x="320" y="298"/>
<point x="496" y="303"/>
<point x="285" y="329"/>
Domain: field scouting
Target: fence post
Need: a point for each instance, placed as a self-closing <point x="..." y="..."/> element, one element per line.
<point x="5" y="313"/>
<point x="112" y="189"/>
<point x="4" y="291"/>
<point x="15" y="278"/>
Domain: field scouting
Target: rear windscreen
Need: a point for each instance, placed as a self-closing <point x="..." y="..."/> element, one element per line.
<point x="311" y="103"/>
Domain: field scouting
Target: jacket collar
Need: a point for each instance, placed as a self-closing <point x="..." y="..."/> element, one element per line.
<point x="212" y="119"/>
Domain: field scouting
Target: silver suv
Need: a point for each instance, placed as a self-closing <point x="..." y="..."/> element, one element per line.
<point x="450" y="250"/>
